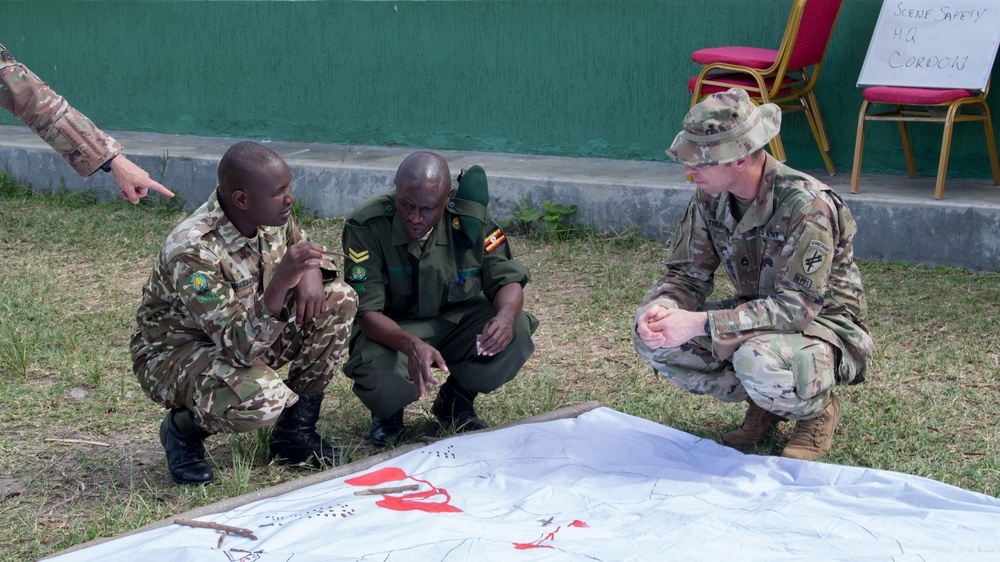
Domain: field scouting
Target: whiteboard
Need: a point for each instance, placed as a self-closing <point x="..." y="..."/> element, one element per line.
<point x="933" y="44"/>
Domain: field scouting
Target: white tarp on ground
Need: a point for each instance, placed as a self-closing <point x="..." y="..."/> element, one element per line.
<point x="603" y="486"/>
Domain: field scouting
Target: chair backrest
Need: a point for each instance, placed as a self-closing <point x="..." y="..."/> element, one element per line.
<point x="811" y="34"/>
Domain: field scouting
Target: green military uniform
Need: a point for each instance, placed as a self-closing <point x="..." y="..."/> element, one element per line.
<point x="204" y="340"/>
<point x="442" y="293"/>
<point x="791" y="261"/>
<point x="69" y="132"/>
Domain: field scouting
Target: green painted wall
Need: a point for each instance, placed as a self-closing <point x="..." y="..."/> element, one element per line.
<point x="595" y="78"/>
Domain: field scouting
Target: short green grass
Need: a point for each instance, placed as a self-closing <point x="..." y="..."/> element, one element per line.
<point x="71" y="270"/>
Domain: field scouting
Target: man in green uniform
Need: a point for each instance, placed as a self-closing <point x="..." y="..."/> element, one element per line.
<point x="85" y="147"/>
<point x="236" y="292"/>
<point x="437" y="286"/>
<point x="795" y="328"/>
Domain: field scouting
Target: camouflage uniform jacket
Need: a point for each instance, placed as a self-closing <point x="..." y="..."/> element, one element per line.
<point x="207" y="286"/>
<point x="393" y="275"/>
<point x="790" y="259"/>
<point x="65" y="129"/>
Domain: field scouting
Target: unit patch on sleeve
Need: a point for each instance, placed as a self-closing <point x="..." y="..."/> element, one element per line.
<point x="356" y="256"/>
<point x="201" y="288"/>
<point x="814" y="256"/>
<point x="494" y="240"/>
<point x="357" y="273"/>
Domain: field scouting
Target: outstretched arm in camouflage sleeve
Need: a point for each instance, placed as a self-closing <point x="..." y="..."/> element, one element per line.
<point x="85" y="147"/>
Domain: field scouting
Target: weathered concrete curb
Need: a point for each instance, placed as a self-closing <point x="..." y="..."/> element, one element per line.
<point x="898" y="218"/>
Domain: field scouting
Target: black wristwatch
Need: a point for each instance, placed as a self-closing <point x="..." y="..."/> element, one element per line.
<point x="708" y="327"/>
<point x="107" y="165"/>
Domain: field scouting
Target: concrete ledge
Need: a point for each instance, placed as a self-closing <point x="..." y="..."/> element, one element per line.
<point x="898" y="218"/>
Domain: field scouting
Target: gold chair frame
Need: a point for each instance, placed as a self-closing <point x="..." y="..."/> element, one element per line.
<point x="903" y="113"/>
<point x="792" y="89"/>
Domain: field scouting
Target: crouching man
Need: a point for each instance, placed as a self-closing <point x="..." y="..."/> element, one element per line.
<point x="236" y="292"/>
<point x="795" y="328"/>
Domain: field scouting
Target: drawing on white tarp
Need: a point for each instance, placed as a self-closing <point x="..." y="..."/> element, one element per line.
<point x="602" y="486"/>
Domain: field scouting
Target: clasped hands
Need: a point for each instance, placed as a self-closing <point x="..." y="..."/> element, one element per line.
<point x="661" y="327"/>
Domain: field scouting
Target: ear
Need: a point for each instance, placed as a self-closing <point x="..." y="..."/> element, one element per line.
<point x="241" y="199"/>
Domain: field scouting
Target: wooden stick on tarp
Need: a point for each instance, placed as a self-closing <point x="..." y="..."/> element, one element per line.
<point x="216" y="526"/>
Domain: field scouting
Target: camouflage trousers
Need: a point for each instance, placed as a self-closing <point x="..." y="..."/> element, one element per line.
<point x="229" y="399"/>
<point x="791" y="375"/>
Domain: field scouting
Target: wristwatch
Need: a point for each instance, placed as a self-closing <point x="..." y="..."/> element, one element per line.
<point x="107" y="165"/>
<point x="708" y="327"/>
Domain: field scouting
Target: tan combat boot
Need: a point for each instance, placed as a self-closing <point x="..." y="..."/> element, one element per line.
<point x="756" y="425"/>
<point x="813" y="438"/>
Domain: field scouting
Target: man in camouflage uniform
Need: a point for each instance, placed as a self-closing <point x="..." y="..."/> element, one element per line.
<point x="437" y="285"/>
<point x="236" y="292"/>
<point x="795" y="328"/>
<point x="85" y="147"/>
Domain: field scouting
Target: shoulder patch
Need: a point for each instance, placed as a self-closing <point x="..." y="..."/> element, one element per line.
<point x="357" y="273"/>
<point x="201" y="288"/>
<point x="814" y="256"/>
<point x="493" y="240"/>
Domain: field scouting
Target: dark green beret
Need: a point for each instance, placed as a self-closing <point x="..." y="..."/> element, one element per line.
<point x="472" y="186"/>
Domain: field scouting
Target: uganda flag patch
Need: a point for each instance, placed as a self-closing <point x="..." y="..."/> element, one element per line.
<point x="494" y="240"/>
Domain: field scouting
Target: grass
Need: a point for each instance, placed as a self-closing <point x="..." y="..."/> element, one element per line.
<point x="71" y="275"/>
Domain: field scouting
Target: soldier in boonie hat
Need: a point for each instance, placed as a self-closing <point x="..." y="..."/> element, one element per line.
<point x="785" y="240"/>
<point x="723" y="128"/>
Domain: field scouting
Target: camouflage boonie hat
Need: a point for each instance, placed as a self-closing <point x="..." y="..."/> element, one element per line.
<point x="723" y="128"/>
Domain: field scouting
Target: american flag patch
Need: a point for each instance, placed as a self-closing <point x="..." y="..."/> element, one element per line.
<point x="494" y="240"/>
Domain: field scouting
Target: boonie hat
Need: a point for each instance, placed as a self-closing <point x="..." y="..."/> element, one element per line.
<point x="723" y="128"/>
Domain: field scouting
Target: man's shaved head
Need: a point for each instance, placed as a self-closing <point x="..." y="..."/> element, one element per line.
<point x="240" y="166"/>
<point x="423" y="170"/>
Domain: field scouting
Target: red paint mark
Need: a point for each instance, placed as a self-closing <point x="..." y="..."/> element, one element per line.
<point x="380" y="476"/>
<point x="550" y="537"/>
<point x="526" y="546"/>
<point x="417" y="501"/>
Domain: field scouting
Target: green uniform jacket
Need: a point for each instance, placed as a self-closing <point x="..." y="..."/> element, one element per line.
<point x="790" y="259"/>
<point x="394" y="275"/>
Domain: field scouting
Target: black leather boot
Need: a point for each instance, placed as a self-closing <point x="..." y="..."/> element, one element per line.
<point x="387" y="429"/>
<point x="294" y="438"/>
<point x="454" y="407"/>
<point x="183" y="440"/>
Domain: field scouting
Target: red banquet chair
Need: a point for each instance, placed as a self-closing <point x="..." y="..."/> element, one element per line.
<point x="786" y="76"/>
<point x="925" y="105"/>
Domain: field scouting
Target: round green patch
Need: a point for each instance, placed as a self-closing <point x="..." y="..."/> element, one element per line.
<point x="357" y="273"/>
<point x="199" y="282"/>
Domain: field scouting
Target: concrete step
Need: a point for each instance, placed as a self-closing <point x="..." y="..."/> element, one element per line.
<point x="898" y="218"/>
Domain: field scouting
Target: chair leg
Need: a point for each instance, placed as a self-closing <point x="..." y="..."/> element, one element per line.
<point x="777" y="148"/>
<point x="991" y="146"/>
<point x="949" y="124"/>
<point x="904" y="135"/>
<point x="817" y="132"/>
<point x="814" y="104"/>
<point x="859" y="147"/>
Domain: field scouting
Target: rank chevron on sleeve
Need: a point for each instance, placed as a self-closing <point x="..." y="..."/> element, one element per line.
<point x="357" y="257"/>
